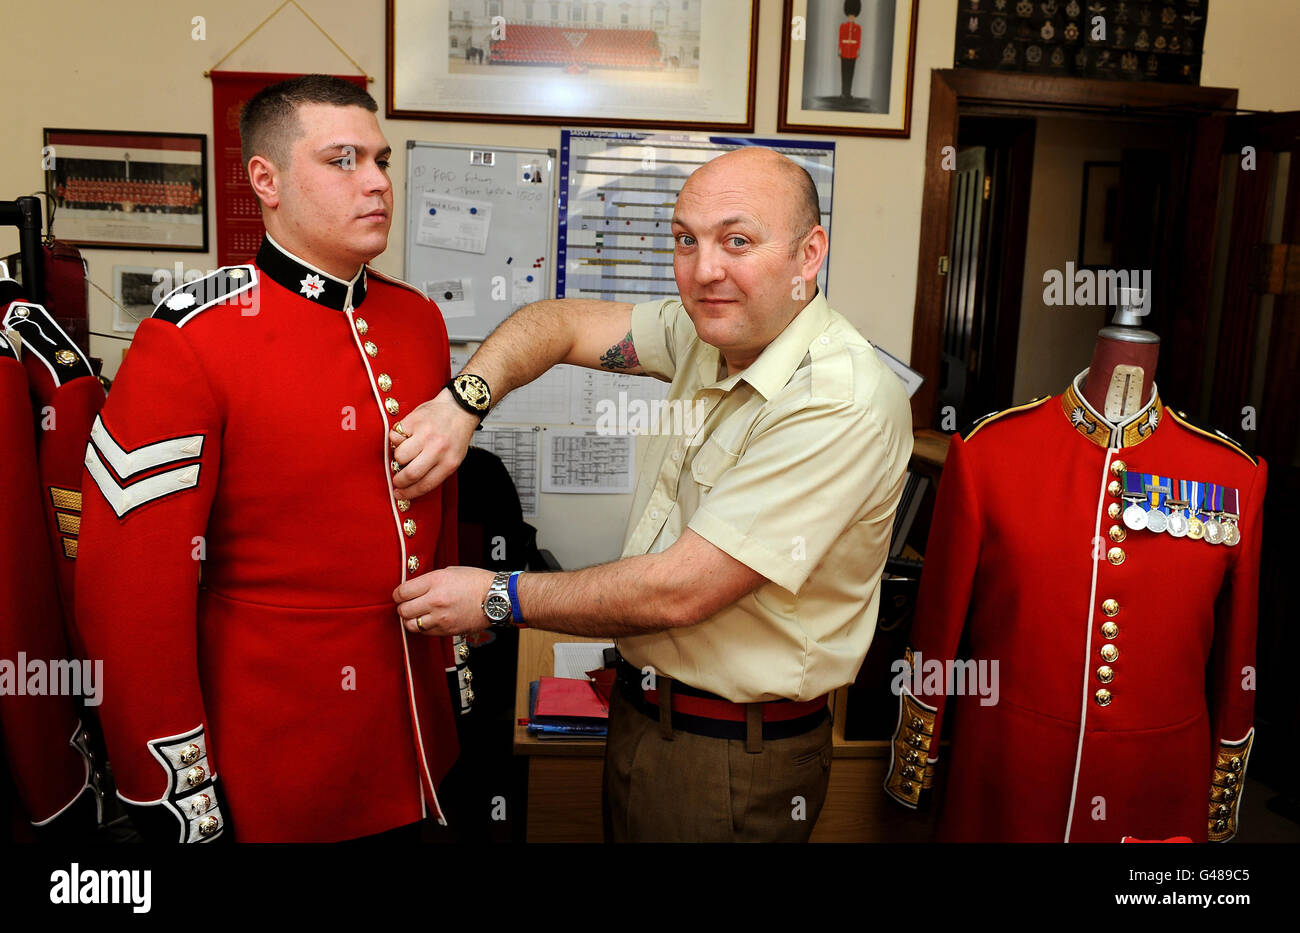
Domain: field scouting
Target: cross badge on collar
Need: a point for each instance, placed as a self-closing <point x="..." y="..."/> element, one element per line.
<point x="312" y="286"/>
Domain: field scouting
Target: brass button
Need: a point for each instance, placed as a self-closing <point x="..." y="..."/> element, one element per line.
<point x="914" y="740"/>
<point x="1113" y="510"/>
<point x="200" y="804"/>
<point x="190" y="754"/>
<point x="1105" y="674"/>
<point x="362" y="326"/>
<point x="1230" y="779"/>
<point x="1220" y="826"/>
<point x="397" y="467"/>
<point x="909" y="772"/>
<point x="65" y="357"/>
<point x="408" y="527"/>
<point x="1110" y="607"/>
<point x="916" y="723"/>
<point x="236" y="273"/>
<point x="403" y="504"/>
<point x="1118" y="466"/>
<point x="462" y="651"/>
<point x="1113" y="489"/>
<point x="1117" y="533"/>
<point x="912" y="757"/>
<point x="1109" y="653"/>
<point x="209" y="825"/>
<point x="1115" y="555"/>
<point x="469" y="696"/>
<point x="905" y="787"/>
<point x="1223" y="810"/>
<point x="195" y="776"/>
<point x="1229" y="794"/>
<point x="1236" y="764"/>
<point x="413" y="564"/>
<point x="469" y="675"/>
<point x="373" y="351"/>
<point x="22" y="312"/>
<point x="385" y="382"/>
<point x="391" y="406"/>
<point x="1109" y="629"/>
<point x="1103" y="697"/>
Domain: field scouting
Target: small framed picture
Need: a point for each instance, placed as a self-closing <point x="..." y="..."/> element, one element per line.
<point x="846" y="67"/>
<point x="125" y="190"/>
<point x="137" y="291"/>
<point x="1098" y="214"/>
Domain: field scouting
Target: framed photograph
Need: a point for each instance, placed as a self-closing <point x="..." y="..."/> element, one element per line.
<point x="644" y="63"/>
<point x="137" y="291"/>
<point x="846" y="67"/>
<point x="1098" y="213"/>
<point x="124" y="190"/>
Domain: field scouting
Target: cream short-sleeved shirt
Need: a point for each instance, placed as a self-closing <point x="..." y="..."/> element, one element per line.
<point x="794" y="467"/>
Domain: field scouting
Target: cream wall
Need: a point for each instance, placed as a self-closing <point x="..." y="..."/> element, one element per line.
<point x="132" y="65"/>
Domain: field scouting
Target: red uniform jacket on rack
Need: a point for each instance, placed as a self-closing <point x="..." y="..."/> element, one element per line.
<point x="46" y="748"/>
<point x="1125" y="658"/>
<point x="239" y="554"/>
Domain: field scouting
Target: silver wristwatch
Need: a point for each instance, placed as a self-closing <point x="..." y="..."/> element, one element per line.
<point x="497" y="604"/>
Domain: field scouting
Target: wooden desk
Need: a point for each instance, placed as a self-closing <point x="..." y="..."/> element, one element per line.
<point x="564" y="776"/>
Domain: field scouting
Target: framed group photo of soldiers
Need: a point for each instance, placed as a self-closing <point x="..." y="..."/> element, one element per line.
<point x="674" y="63"/>
<point x="846" y="67"/>
<point x="127" y="190"/>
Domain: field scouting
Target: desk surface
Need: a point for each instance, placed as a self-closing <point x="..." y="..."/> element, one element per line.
<point x="536" y="658"/>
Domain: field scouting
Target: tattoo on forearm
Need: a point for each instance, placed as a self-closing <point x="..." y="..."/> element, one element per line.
<point x="621" y="355"/>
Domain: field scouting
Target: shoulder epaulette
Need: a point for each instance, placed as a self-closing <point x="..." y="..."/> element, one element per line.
<point x="996" y="415"/>
<point x="1211" y="433"/>
<point x="391" y="280"/>
<point x="47" y="341"/>
<point x="180" y="305"/>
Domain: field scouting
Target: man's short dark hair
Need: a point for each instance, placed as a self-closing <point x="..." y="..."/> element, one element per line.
<point x="808" y="210"/>
<point x="269" y="125"/>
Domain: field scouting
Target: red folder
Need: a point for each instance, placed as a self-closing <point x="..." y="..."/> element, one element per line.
<point x="565" y="698"/>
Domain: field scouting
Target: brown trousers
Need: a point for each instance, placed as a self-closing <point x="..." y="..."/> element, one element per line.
<point x="696" y="788"/>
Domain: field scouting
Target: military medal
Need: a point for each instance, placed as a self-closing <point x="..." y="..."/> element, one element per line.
<point x="1157" y="520"/>
<point x="1231" y="533"/>
<point x="1195" y="527"/>
<point x="1135" y="517"/>
<point x="1213" y="528"/>
<point x="1177" y="520"/>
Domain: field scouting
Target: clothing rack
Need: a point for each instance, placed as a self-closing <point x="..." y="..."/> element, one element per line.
<point x="25" y="214"/>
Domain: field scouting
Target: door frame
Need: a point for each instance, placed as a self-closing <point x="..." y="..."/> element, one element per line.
<point x="954" y="92"/>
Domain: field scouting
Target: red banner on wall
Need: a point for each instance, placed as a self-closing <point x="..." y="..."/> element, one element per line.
<point x="239" y="213"/>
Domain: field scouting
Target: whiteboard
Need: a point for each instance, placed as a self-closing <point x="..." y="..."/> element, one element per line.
<point x="479" y="222"/>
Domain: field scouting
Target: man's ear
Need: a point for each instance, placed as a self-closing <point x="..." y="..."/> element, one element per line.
<point x="813" y="254"/>
<point x="265" y="179"/>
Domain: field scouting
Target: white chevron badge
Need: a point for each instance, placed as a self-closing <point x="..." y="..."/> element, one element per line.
<point x="123" y="497"/>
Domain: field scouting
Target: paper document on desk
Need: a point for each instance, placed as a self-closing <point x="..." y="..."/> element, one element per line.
<point x="574" y="658"/>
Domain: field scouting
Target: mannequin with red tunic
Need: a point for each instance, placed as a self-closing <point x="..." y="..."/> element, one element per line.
<point x="1124" y="650"/>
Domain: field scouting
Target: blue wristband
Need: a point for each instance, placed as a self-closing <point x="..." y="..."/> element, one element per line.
<point x="516" y="614"/>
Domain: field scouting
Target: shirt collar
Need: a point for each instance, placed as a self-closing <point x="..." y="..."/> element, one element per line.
<point x="1091" y="424"/>
<point x="778" y="361"/>
<point x="302" y="278"/>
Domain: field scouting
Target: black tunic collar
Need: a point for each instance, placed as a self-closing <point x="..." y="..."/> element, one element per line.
<point x="304" y="279"/>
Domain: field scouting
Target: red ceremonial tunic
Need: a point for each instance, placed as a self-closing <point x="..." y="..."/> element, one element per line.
<point x="850" y="39"/>
<point x="1125" y="657"/>
<point x="46" y="404"/>
<point x="239" y="555"/>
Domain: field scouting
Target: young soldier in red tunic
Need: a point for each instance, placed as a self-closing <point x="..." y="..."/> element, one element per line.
<point x="1125" y="644"/>
<point x="850" y="44"/>
<point x="242" y="538"/>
